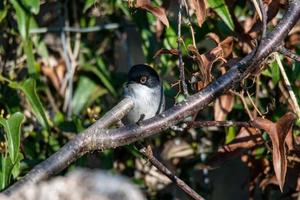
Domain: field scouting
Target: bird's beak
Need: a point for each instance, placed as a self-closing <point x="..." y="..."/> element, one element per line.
<point x="129" y="82"/>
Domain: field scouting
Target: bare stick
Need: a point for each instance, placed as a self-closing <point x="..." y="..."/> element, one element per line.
<point x="289" y="53"/>
<point x="190" y="23"/>
<point x="110" y="26"/>
<point x="181" y="64"/>
<point x="95" y="138"/>
<point x="147" y="152"/>
<point x="241" y="96"/>
<point x="263" y="17"/>
<point x="253" y="104"/>
<point x="197" y="124"/>
<point x="288" y="85"/>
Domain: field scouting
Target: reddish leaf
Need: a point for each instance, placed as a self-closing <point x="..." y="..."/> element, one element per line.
<point x="278" y="132"/>
<point x="158" y="12"/>
<point x="246" y="139"/>
<point x="214" y="37"/>
<point x="200" y="9"/>
<point x="223" y="105"/>
<point x="226" y="46"/>
<point x="289" y="140"/>
<point x="205" y="61"/>
<point x="166" y="51"/>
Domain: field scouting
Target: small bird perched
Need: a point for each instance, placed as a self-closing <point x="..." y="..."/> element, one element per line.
<point x="146" y="90"/>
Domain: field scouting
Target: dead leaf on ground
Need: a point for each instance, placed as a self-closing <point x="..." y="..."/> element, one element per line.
<point x="158" y="12"/>
<point x="278" y="132"/>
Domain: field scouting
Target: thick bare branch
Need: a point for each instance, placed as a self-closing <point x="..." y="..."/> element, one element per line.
<point x="73" y="149"/>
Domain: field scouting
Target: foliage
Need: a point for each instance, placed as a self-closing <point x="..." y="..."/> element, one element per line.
<point x="55" y="83"/>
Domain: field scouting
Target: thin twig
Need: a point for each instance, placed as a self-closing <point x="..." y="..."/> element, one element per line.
<point x="257" y="91"/>
<point x="147" y="152"/>
<point x="256" y="5"/>
<point x="286" y="95"/>
<point x="181" y="64"/>
<point x="110" y="26"/>
<point x="190" y="23"/>
<point x="197" y="124"/>
<point x="288" y="85"/>
<point x="65" y="82"/>
<point x="241" y="95"/>
<point x="253" y="104"/>
<point x="289" y="53"/>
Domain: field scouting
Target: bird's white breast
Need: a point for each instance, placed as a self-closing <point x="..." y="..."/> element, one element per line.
<point x="146" y="101"/>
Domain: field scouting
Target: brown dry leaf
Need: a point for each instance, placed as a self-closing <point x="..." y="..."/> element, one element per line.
<point x="166" y="51"/>
<point x="246" y="139"/>
<point x="55" y="74"/>
<point x="200" y="9"/>
<point x="227" y="46"/>
<point x="267" y="181"/>
<point x="223" y="105"/>
<point x="289" y="140"/>
<point x="278" y="132"/>
<point x="158" y="12"/>
<point x="205" y="61"/>
<point x="214" y="37"/>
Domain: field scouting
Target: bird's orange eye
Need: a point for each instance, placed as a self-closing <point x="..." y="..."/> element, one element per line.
<point x="143" y="79"/>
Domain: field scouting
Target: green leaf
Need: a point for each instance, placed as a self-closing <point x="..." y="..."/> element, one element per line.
<point x="275" y="72"/>
<point x="21" y="19"/>
<point x="87" y="5"/>
<point x="231" y="133"/>
<point x="83" y="97"/>
<point x="29" y="88"/>
<point x="103" y="76"/>
<point x="12" y="127"/>
<point x="32" y="68"/>
<point x="17" y="168"/>
<point x="6" y="167"/>
<point x="221" y="9"/>
<point x="267" y="73"/>
<point x="33" y="5"/>
<point x="3" y="10"/>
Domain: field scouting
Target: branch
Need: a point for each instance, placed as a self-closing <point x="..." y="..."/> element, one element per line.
<point x="288" y="85"/>
<point x="289" y="53"/>
<point x="197" y="124"/>
<point x="111" y="26"/>
<point x="181" y="64"/>
<point x="147" y="152"/>
<point x="95" y="138"/>
<point x="73" y="149"/>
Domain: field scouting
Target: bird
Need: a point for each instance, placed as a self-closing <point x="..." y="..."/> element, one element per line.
<point x="144" y="87"/>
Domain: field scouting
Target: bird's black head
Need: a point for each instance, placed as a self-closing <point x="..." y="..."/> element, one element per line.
<point x="143" y="74"/>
